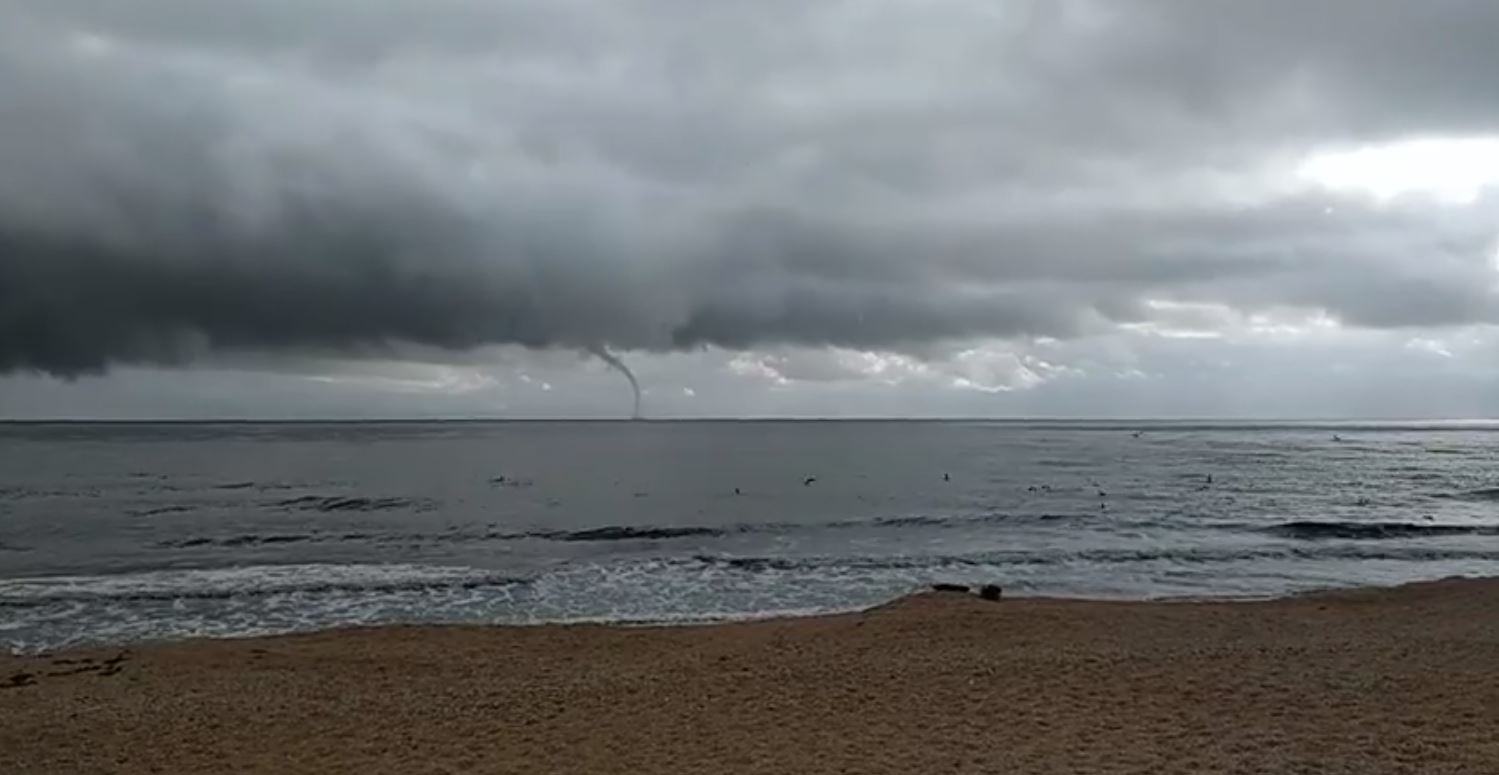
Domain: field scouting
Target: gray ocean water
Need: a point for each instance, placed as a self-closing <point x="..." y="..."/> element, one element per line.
<point x="114" y="533"/>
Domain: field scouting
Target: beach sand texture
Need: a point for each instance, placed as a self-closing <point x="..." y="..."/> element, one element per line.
<point x="1403" y="680"/>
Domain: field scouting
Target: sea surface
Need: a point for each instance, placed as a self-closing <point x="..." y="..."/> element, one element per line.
<point x="124" y="532"/>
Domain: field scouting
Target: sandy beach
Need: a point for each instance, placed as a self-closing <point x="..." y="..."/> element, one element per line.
<point x="1401" y="680"/>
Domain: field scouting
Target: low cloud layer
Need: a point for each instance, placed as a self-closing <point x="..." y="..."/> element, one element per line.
<point x="325" y="177"/>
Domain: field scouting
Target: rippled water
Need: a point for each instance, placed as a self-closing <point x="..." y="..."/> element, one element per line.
<point x="122" y="532"/>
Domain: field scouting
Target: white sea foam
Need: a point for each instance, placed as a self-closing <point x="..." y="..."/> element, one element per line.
<point x="254" y="580"/>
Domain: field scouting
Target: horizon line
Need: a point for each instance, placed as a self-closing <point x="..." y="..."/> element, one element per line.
<point x="727" y="419"/>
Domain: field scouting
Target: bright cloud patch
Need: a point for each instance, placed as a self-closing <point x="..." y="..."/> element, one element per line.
<point x="1455" y="171"/>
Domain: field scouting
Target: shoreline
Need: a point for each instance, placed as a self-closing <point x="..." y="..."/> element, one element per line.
<point x="1366" y="680"/>
<point x="703" y="621"/>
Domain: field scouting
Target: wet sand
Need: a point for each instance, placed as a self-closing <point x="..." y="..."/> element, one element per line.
<point x="1370" y="681"/>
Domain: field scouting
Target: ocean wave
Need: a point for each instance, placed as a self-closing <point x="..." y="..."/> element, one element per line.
<point x="1314" y="530"/>
<point x="245" y="582"/>
<point x="606" y="533"/>
<point x="1001" y="559"/>
<point x="256" y="539"/>
<point x="352" y="503"/>
<point x="1479" y="494"/>
<point x="159" y="510"/>
<point x="625" y="533"/>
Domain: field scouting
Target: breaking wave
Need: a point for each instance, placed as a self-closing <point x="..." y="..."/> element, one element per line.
<point x="1001" y="559"/>
<point x="1479" y="494"/>
<point x="245" y="582"/>
<point x="624" y="532"/>
<point x="352" y="503"/>
<point x="1314" y="530"/>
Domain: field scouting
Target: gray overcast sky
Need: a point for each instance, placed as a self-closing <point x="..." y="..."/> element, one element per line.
<point x="353" y="208"/>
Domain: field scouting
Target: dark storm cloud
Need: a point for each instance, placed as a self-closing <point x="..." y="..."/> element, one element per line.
<point x="327" y="175"/>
